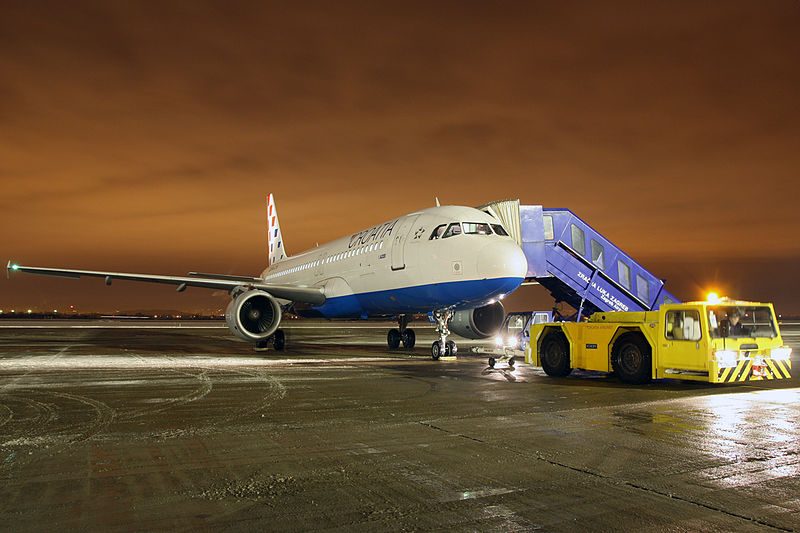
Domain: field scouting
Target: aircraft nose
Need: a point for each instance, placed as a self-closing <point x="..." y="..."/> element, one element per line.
<point x="502" y="259"/>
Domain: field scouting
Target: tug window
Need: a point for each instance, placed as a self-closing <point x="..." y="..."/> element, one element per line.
<point x="683" y="325"/>
<point x="479" y="228"/>
<point x="453" y="229"/>
<point x="437" y="232"/>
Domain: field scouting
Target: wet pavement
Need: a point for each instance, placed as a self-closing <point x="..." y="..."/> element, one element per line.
<point x="184" y="428"/>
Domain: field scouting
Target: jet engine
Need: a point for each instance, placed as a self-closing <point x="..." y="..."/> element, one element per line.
<point x="478" y="323"/>
<point x="253" y="315"/>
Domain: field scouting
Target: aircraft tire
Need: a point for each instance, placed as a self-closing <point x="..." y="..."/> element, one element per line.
<point x="631" y="359"/>
<point x="555" y="355"/>
<point x="512" y="362"/>
<point x="409" y="339"/>
<point x="436" y="350"/>
<point x="451" y="349"/>
<point x="492" y="362"/>
<point x="393" y="339"/>
<point x="279" y="340"/>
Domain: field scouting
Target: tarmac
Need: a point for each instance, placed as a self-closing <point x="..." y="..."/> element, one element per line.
<point x="141" y="426"/>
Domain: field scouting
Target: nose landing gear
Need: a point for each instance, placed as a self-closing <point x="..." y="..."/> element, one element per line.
<point x="443" y="347"/>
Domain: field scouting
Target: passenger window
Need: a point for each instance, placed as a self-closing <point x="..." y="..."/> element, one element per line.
<point x="549" y="234"/>
<point x="624" y="272"/>
<point x="437" y="232"/>
<point x="597" y="255"/>
<point x="479" y="228"/>
<point x="578" y="240"/>
<point x="453" y="229"/>
<point x="682" y="325"/>
<point x="642" y="289"/>
<point x="500" y="230"/>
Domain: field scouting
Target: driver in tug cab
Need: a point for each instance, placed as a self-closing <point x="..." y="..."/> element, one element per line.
<point x="736" y="327"/>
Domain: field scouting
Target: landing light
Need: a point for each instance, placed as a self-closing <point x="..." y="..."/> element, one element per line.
<point x="726" y="358"/>
<point x="782" y="353"/>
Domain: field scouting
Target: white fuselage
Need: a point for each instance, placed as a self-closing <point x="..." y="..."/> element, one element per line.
<point x="397" y="268"/>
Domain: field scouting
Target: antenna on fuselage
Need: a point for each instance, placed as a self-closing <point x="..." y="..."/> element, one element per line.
<point x="437" y="201"/>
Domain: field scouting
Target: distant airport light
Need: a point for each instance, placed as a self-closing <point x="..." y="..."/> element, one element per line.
<point x="14" y="267"/>
<point x="30" y="311"/>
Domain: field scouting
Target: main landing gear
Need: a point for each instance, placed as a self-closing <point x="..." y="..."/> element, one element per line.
<point x="404" y="334"/>
<point x="443" y="347"/>
<point x="277" y="339"/>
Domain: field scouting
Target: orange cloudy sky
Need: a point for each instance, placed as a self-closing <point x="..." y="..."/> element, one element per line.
<point x="144" y="136"/>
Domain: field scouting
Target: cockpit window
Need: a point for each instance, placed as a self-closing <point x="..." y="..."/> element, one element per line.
<point x="444" y="231"/>
<point x="452" y="229"/>
<point x="437" y="232"/>
<point x="500" y="230"/>
<point x="479" y="228"/>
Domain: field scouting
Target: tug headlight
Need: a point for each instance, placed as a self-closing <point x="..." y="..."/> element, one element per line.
<point x="725" y="358"/>
<point x="783" y="353"/>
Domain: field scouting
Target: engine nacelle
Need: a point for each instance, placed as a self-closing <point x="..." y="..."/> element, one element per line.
<point x="478" y="323"/>
<point x="253" y="315"/>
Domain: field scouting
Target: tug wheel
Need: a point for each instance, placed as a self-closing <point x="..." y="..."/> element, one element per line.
<point x="631" y="359"/>
<point x="555" y="355"/>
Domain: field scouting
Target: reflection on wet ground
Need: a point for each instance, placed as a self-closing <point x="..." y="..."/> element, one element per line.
<point x="135" y="429"/>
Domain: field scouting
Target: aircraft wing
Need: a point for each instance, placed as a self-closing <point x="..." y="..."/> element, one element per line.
<point x="310" y="295"/>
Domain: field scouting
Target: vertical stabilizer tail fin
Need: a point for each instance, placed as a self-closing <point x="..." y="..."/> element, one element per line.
<point x="276" y="249"/>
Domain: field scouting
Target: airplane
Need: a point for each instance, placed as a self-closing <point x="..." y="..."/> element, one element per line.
<point x="454" y="263"/>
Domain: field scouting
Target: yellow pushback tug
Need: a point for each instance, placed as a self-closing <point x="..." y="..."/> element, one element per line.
<point x="722" y="341"/>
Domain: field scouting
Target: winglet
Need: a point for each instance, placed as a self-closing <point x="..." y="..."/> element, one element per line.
<point x="275" y="240"/>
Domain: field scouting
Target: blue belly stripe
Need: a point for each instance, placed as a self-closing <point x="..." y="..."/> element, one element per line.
<point x="420" y="299"/>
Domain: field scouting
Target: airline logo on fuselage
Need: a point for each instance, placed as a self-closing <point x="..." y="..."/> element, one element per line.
<point x="373" y="234"/>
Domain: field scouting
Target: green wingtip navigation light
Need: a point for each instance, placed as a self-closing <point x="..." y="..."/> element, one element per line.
<point x="9" y="268"/>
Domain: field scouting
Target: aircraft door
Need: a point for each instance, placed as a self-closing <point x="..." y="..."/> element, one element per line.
<point x="320" y="269"/>
<point x="399" y="242"/>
